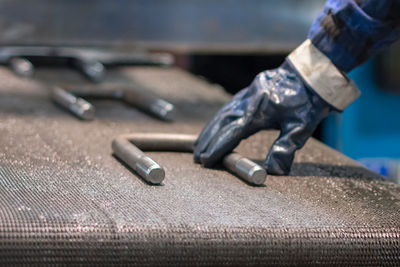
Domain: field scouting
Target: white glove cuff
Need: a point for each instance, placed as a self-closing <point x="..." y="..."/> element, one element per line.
<point x="323" y="77"/>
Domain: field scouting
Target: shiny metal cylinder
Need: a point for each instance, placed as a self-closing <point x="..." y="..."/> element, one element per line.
<point x="162" y="141"/>
<point x="147" y="168"/>
<point x="94" y="70"/>
<point x="150" y="103"/>
<point x="76" y="105"/>
<point x="245" y="168"/>
<point x="237" y="164"/>
<point x="21" y="66"/>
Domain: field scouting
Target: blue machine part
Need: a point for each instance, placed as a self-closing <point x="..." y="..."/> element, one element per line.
<point x="370" y="127"/>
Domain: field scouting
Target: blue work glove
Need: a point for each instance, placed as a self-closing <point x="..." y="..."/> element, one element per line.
<point x="311" y="83"/>
<point x="276" y="99"/>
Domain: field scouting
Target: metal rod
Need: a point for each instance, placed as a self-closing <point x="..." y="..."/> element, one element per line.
<point x="21" y="66"/>
<point x="239" y="165"/>
<point x="76" y="105"/>
<point x="162" y="141"/>
<point x="150" y="103"/>
<point x="245" y="168"/>
<point x="144" y="100"/>
<point x="93" y="70"/>
<point x="147" y="168"/>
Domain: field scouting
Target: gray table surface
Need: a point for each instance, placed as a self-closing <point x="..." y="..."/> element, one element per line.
<point x="64" y="199"/>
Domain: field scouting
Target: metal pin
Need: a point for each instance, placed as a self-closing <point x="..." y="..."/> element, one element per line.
<point x="162" y="141"/>
<point x="76" y="105"/>
<point x="245" y="168"/>
<point x="147" y="168"/>
<point x="144" y="100"/>
<point x="94" y="70"/>
<point x="150" y="103"/>
<point x="21" y="66"/>
<point x="124" y="147"/>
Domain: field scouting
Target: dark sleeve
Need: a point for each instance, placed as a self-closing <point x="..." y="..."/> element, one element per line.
<point x="351" y="31"/>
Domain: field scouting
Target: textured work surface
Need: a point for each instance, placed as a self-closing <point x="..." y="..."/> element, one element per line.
<point x="65" y="199"/>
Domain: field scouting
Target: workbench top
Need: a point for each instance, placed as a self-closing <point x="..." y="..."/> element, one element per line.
<point x="65" y="199"/>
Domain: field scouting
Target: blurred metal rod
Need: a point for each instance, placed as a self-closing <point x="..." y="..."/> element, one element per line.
<point x="137" y="97"/>
<point x="76" y="105"/>
<point x="92" y="69"/>
<point x="162" y="141"/>
<point x="90" y="62"/>
<point x="21" y="66"/>
<point x="150" y="103"/>
<point x="128" y="148"/>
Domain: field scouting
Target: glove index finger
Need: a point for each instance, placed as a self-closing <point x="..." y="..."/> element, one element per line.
<point x="227" y="115"/>
<point x="222" y="143"/>
<point x="206" y="135"/>
<point x="214" y="128"/>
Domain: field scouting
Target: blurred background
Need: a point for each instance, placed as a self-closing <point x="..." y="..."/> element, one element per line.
<point x="227" y="42"/>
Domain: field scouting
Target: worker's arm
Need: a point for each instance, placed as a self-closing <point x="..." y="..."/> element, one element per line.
<point x="310" y="84"/>
<point x="350" y="32"/>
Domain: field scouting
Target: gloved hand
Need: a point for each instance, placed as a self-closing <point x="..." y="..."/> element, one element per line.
<point x="311" y="83"/>
<point x="276" y="99"/>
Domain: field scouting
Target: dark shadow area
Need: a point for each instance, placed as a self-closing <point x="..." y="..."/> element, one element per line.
<point x="233" y="72"/>
<point x="331" y="170"/>
<point x="134" y="172"/>
<point x="308" y="169"/>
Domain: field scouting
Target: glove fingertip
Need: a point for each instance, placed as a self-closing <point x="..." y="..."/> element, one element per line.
<point x="196" y="142"/>
<point x="207" y="160"/>
<point x="275" y="167"/>
<point x="197" y="150"/>
<point x="196" y="159"/>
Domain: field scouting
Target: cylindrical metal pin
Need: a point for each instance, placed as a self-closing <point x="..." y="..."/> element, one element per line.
<point x="22" y="66"/>
<point x="150" y="103"/>
<point x="92" y="69"/>
<point x="162" y="141"/>
<point x="245" y="168"/>
<point x="76" y="105"/>
<point x="147" y="168"/>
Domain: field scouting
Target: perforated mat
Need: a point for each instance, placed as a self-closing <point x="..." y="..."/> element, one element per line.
<point x="65" y="200"/>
